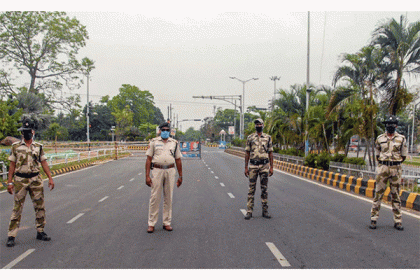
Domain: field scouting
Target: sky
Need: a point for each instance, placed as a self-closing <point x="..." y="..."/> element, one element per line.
<point x="177" y="50"/>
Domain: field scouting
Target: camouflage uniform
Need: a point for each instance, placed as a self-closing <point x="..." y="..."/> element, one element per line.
<point x="390" y="151"/>
<point x="259" y="147"/>
<point x="28" y="161"/>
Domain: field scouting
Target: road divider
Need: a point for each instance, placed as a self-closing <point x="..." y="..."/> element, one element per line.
<point x="342" y="181"/>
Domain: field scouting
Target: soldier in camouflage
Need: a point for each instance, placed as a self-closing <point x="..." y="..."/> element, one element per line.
<point x="259" y="153"/>
<point x="391" y="151"/>
<point x="25" y="159"/>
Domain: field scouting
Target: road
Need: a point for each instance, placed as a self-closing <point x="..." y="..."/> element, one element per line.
<point x="97" y="218"/>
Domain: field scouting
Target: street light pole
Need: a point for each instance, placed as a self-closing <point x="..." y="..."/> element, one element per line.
<point x="87" y="112"/>
<point x="307" y="95"/>
<point x="274" y="78"/>
<point x="242" y="120"/>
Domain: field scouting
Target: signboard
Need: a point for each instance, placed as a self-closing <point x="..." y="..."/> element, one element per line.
<point x="190" y="149"/>
<point x="222" y="145"/>
<point x="231" y="130"/>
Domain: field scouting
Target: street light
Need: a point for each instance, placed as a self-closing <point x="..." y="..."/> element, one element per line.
<point x="274" y="78"/>
<point x="241" y="135"/>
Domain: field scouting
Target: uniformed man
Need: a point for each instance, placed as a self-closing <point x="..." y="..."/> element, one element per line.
<point x="162" y="155"/>
<point x="259" y="153"/>
<point x="391" y="150"/>
<point x="25" y="160"/>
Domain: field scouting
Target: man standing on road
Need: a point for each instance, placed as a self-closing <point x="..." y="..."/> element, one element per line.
<point x="391" y="151"/>
<point x="162" y="156"/>
<point x="25" y="160"/>
<point x="259" y="153"/>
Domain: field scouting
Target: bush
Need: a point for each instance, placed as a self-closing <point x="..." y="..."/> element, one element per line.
<point x="238" y="142"/>
<point x="357" y="161"/>
<point x="324" y="161"/>
<point x="4" y="157"/>
<point x="311" y="160"/>
<point x="290" y="152"/>
<point x="338" y="157"/>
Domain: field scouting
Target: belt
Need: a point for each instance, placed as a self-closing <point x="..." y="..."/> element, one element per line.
<point x="26" y="175"/>
<point x="257" y="162"/>
<point x="389" y="163"/>
<point x="163" y="166"/>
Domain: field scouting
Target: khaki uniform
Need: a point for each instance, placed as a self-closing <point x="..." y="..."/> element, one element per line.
<point x="259" y="147"/>
<point x="390" y="151"/>
<point x="163" y="180"/>
<point x="27" y="161"/>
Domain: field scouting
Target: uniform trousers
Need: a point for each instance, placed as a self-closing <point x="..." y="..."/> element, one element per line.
<point x="163" y="181"/>
<point x="391" y="174"/>
<point x="255" y="171"/>
<point x="36" y="191"/>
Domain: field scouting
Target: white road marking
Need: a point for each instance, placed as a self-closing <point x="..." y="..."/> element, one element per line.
<point x="209" y="168"/>
<point x="222" y="184"/>
<point x="139" y="174"/>
<point x="231" y="195"/>
<point x="18" y="259"/>
<point x="103" y="199"/>
<point x="243" y="211"/>
<point x="216" y="177"/>
<point x="282" y="260"/>
<point x="75" y="218"/>
<point x="132" y="179"/>
<point x="212" y="172"/>
<point x="120" y="188"/>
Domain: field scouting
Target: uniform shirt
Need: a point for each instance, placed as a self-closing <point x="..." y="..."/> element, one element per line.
<point x="259" y="147"/>
<point x="391" y="149"/>
<point x="163" y="153"/>
<point x="27" y="159"/>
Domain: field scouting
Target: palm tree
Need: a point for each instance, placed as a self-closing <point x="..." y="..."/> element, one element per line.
<point x="400" y="43"/>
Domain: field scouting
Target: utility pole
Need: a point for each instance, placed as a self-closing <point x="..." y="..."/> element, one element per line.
<point x="307" y="94"/>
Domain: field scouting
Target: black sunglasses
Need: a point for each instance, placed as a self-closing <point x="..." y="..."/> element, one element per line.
<point x="166" y="130"/>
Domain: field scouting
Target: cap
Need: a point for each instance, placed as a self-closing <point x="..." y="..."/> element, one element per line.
<point x="27" y="124"/>
<point x="391" y="120"/>
<point x="165" y="124"/>
<point x="258" y="121"/>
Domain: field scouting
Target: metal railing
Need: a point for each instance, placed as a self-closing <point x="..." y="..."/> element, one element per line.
<point x="3" y="170"/>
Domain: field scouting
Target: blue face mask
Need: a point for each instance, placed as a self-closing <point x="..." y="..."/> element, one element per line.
<point x="164" y="134"/>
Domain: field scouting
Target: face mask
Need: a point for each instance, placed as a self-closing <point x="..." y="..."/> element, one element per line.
<point x="259" y="128"/>
<point x="27" y="135"/>
<point x="390" y="129"/>
<point x="164" y="134"/>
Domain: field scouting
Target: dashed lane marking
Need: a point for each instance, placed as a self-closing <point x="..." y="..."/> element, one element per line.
<point x="216" y="177"/>
<point x="120" y="188"/>
<point x="18" y="259"/>
<point x="282" y="260"/>
<point x="243" y="211"/>
<point x="102" y="199"/>
<point x="75" y="218"/>
<point x="231" y="195"/>
<point x="222" y="184"/>
<point x="132" y="179"/>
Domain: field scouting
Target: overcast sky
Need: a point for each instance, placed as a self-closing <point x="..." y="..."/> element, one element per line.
<point x="180" y="49"/>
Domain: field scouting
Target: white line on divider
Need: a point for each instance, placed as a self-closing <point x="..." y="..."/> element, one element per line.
<point x="282" y="260"/>
<point x="75" y="218"/>
<point x="222" y="184"/>
<point x="231" y="195"/>
<point x="18" y="259"/>
<point x="120" y="188"/>
<point x="103" y="199"/>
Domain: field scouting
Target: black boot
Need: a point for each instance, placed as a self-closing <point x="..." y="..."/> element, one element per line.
<point x="372" y="225"/>
<point x="10" y="241"/>
<point x="266" y="215"/>
<point x="248" y="215"/>
<point x="398" y="226"/>
<point x="42" y="236"/>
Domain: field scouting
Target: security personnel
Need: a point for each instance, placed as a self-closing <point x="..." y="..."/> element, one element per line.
<point x="391" y="150"/>
<point x="259" y="153"/>
<point x="25" y="159"/>
<point x="162" y="155"/>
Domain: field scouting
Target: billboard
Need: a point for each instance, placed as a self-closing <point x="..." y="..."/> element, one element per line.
<point x="190" y="149"/>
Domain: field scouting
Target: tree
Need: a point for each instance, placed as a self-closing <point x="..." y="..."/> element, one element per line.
<point x="400" y="42"/>
<point x="9" y="118"/>
<point x="124" y="120"/>
<point x="43" y="45"/>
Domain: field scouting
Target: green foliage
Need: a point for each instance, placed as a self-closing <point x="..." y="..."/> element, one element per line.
<point x="9" y="118"/>
<point x="357" y="161"/>
<point x="238" y="142"/>
<point x="4" y="158"/>
<point x="338" y="157"/>
<point x="290" y="152"/>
